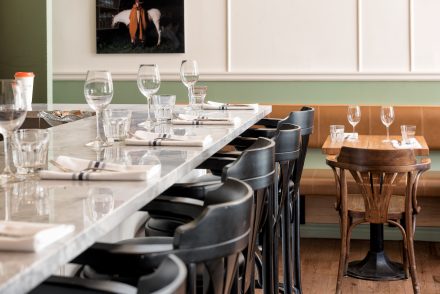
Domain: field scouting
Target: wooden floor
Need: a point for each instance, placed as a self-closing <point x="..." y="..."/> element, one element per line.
<point x="320" y="259"/>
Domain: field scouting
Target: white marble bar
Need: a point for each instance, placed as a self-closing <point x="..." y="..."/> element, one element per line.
<point x="74" y="202"/>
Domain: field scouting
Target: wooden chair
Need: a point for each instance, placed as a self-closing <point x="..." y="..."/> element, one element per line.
<point x="378" y="172"/>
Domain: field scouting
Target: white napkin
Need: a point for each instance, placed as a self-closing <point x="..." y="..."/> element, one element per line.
<point x="413" y="144"/>
<point x="24" y="236"/>
<point x="187" y="119"/>
<point x="155" y="139"/>
<point x="118" y="172"/>
<point x="211" y="105"/>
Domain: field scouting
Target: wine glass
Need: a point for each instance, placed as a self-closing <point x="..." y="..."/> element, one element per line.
<point x="387" y="117"/>
<point x="12" y="114"/>
<point x="189" y="74"/>
<point x="354" y="117"/>
<point x="98" y="90"/>
<point x="148" y="81"/>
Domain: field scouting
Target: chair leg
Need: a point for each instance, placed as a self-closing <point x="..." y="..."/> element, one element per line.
<point x="411" y="255"/>
<point x="342" y="255"/>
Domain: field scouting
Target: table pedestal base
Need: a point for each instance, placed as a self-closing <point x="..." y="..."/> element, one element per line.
<point x="376" y="266"/>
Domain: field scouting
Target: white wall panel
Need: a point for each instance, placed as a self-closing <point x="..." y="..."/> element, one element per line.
<point x="272" y="40"/>
<point x="294" y="36"/>
<point x="426" y="29"/>
<point x="384" y="28"/>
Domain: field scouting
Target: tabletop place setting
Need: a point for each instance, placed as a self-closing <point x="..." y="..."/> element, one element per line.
<point x="407" y="140"/>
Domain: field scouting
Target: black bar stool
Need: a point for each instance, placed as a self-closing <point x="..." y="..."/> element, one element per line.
<point x="209" y="245"/>
<point x="167" y="278"/>
<point x="255" y="166"/>
<point x="304" y="119"/>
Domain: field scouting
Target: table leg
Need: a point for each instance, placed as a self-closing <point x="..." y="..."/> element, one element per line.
<point x="376" y="265"/>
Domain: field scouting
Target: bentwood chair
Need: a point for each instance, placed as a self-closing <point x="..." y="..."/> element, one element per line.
<point x="378" y="173"/>
<point x="167" y="278"/>
<point x="304" y="119"/>
<point x="211" y="258"/>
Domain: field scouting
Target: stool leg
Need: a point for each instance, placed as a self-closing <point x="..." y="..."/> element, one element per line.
<point x="286" y="245"/>
<point x="268" y="271"/>
<point x="296" y="243"/>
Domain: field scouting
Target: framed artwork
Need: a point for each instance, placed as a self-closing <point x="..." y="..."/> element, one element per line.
<point x="140" y="26"/>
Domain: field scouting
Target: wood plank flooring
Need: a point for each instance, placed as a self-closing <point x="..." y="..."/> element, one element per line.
<point x="320" y="259"/>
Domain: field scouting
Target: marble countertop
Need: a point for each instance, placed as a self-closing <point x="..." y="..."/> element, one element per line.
<point x="75" y="202"/>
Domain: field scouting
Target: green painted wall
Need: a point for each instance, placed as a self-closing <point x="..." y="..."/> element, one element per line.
<point x="275" y="92"/>
<point x="23" y="42"/>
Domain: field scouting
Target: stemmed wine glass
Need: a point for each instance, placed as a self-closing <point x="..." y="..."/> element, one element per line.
<point x="98" y="90"/>
<point x="189" y="74"/>
<point x="12" y="114"/>
<point x="148" y="81"/>
<point x="354" y="117"/>
<point x="387" y="117"/>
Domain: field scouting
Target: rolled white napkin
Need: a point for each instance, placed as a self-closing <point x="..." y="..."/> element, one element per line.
<point x="155" y="139"/>
<point x="187" y="119"/>
<point x="83" y="170"/>
<point x="25" y="236"/>
<point x="211" y="105"/>
<point x="413" y="144"/>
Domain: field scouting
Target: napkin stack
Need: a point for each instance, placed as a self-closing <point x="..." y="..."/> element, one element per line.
<point x="24" y="236"/>
<point x="83" y="170"/>
<point x="156" y="139"/>
<point x="211" y="105"/>
<point x="186" y="119"/>
<point x="413" y="144"/>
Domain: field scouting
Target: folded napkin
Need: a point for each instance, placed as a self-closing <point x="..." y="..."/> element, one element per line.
<point x="413" y="144"/>
<point x="83" y="170"/>
<point x="24" y="236"/>
<point x="156" y="139"/>
<point x="186" y="119"/>
<point x="211" y="105"/>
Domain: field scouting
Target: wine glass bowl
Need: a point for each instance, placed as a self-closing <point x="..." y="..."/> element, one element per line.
<point x="354" y="117"/>
<point x="12" y="115"/>
<point x="189" y="74"/>
<point x="148" y="82"/>
<point x="387" y="118"/>
<point x="98" y="91"/>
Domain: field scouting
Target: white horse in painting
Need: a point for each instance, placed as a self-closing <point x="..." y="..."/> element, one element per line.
<point x="153" y="16"/>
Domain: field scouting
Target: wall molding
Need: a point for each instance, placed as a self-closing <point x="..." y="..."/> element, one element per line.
<point x="262" y="76"/>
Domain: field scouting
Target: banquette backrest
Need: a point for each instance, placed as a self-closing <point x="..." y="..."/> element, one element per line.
<point x="425" y="117"/>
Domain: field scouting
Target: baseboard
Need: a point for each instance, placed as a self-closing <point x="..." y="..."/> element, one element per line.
<point x="331" y="231"/>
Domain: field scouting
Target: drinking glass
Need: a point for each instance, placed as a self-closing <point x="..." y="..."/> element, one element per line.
<point x="12" y="114"/>
<point x="189" y="74"/>
<point x="98" y="90"/>
<point x="387" y="117"/>
<point x="148" y="81"/>
<point x="354" y="117"/>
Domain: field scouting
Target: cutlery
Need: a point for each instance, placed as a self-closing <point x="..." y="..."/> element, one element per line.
<point x="65" y="169"/>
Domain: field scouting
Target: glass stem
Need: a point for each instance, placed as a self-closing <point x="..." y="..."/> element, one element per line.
<point x="353" y="129"/>
<point x="388" y="133"/>
<point x="148" y="108"/>
<point x="190" y="94"/>
<point x="7" y="169"/>
<point x="98" y="129"/>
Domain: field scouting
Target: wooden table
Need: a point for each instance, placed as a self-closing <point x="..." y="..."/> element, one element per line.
<point x="73" y="202"/>
<point x="376" y="265"/>
<point x="372" y="142"/>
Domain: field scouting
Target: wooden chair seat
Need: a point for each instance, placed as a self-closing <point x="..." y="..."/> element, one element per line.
<point x="356" y="206"/>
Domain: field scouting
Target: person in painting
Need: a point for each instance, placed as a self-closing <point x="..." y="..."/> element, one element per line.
<point x="137" y="24"/>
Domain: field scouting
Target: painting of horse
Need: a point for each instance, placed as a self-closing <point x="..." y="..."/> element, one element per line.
<point x="132" y="26"/>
